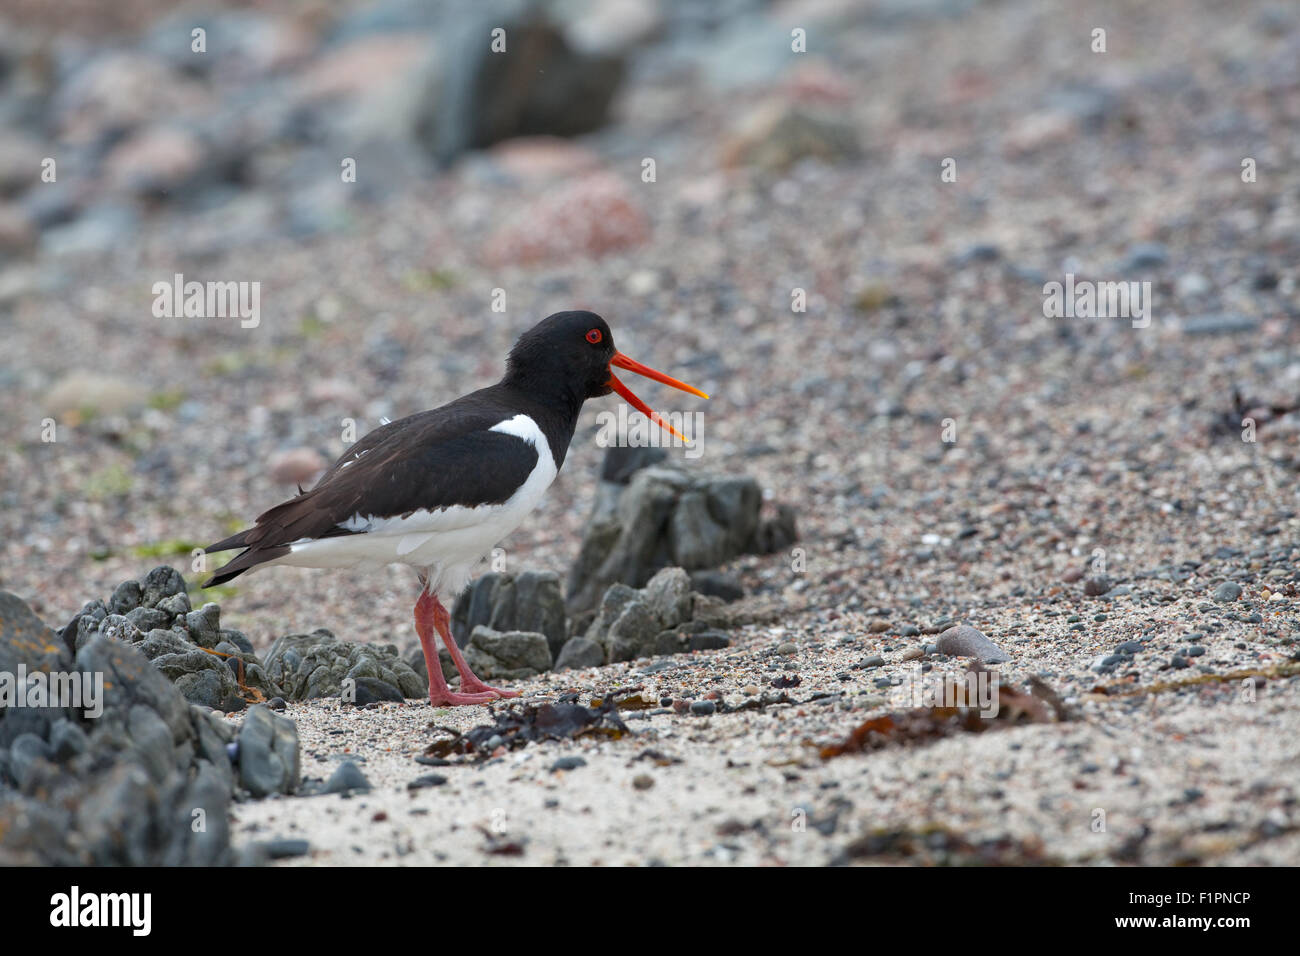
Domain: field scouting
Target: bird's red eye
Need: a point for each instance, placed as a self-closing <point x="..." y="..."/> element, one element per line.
<point x="594" y="336"/>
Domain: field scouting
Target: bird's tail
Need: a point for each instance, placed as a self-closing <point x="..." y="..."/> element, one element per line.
<point x="250" y="557"/>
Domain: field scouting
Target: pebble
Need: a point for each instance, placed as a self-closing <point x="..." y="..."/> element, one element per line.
<point x="1097" y="585"/>
<point x="286" y="849"/>
<point x="966" y="641"/>
<point x="568" y="763"/>
<point x="347" y="778"/>
<point x="428" y="780"/>
<point x="1227" y="591"/>
<point x="913" y="654"/>
<point x="703" y="708"/>
<point x="643" y="781"/>
<point x="788" y="648"/>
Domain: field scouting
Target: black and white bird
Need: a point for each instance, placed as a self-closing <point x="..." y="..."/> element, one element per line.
<point x="438" y="490"/>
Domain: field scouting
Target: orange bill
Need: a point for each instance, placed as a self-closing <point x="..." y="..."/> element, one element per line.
<point x="622" y="361"/>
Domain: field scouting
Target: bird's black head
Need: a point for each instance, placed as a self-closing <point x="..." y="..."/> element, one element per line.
<point x="567" y="350"/>
<point x="566" y="359"/>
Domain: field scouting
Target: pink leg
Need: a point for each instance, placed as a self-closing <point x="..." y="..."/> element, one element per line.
<point x="440" y="695"/>
<point x="468" y="682"/>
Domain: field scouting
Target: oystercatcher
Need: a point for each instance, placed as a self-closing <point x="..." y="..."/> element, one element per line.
<point x="439" y="489"/>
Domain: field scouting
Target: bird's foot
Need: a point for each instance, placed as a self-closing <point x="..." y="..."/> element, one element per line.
<point x="476" y="686"/>
<point x="449" y="698"/>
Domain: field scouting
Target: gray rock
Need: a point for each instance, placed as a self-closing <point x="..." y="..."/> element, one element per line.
<point x="1097" y="585"/>
<point x="346" y="779"/>
<point x="122" y="789"/>
<point x="634" y="633"/>
<point x="175" y="605"/>
<point x="204" y="625"/>
<point x="709" y="640"/>
<point x="734" y="503"/>
<point x="484" y="97"/>
<point x="623" y="461"/>
<point x="120" y="628"/>
<point x="146" y="619"/>
<point x="161" y="583"/>
<point x="630" y="544"/>
<point x="159" y="642"/>
<point x="777" y="533"/>
<point x="126" y="597"/>
<point x="668" y="516"/>
<point x="67" y="740"/>
<point x="371" y="690"/>
<point x="1227" y="591"/>
<point x="79" y="631"/>
<point x="152" y="740"/>
<point x="668" y="596"/>
<point x="24" y="753"/>
<point x="716" y="584"/>
<point x="309" y="666"/>
<point x="539" y="607"/>
<point x="696" y="540"/>
<point x="513" y="655"/>
<point x="531" y="601"/>
<point x="268" y="753"/>
<point x="130" y="679"/>
<point x="25" y="639"/>
<point x="965" y="641"/>
<point x="202" y="678"/>
<point x="578" y="653"/>
<point x="237" y="638"/>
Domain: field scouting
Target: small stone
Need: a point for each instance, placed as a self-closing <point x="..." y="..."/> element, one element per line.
<point x="788" y="648"/>
<point x="703" y="708"/>
<point x="966" y="641"/>
<point x="568" y="763"/>
<point x="1227" y="591"/>
<point x="643" y="781"/>
<point x="875" y="660"/>
<point x="878" y="626"/>
<point x="347" y="778"/>
<point x="578" y="653"/>
<point x="1097" y="585"/>
<point x="426" y="781"/>
<point x="913" y="654"/>
<point x="286" y="849"/>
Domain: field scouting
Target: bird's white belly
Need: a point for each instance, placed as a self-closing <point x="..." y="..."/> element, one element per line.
<point x="446" y="543"/>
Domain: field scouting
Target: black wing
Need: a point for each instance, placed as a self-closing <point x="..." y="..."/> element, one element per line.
<point x="431" y="460"/>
